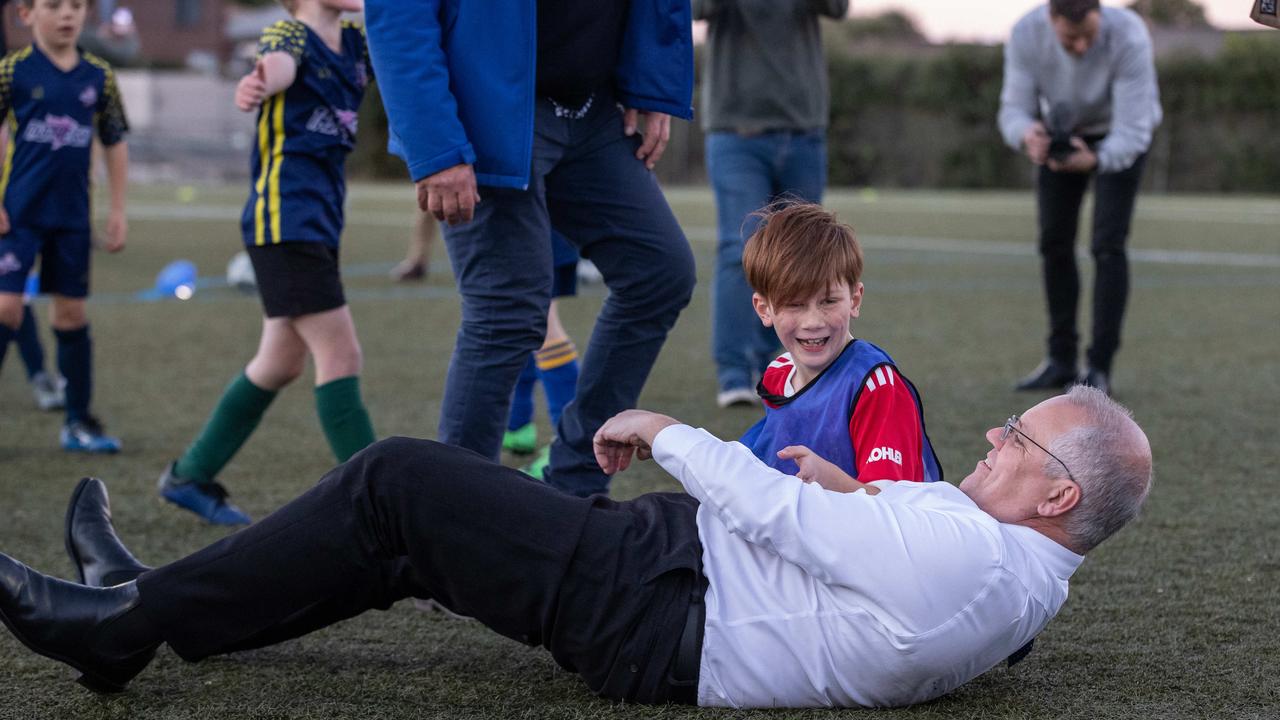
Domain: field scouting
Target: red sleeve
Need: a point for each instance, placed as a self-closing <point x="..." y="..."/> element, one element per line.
<point x="885" y="429"/>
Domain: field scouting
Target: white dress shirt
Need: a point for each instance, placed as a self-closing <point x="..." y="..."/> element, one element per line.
<point x="819" y="598"/>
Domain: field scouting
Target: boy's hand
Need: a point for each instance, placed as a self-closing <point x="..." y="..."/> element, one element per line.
<point x="657" y="131"/>
<point x="816" y="469"/>
<point x="252" y="88"/>
<point x="4" y="222"/>
<point x="117" y="231"/>
<point x="450" y="195"/>
<point x="627" y="433"/>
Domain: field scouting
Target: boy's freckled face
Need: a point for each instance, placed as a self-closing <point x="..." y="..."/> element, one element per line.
<point x="55" y="23"/>
<point x="815" y="329"/>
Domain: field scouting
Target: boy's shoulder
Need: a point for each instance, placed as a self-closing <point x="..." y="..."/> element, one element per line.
<point x="10" y="61"/>
<point x="97" y="62"/>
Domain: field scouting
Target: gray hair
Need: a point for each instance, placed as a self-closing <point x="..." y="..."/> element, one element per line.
<point x="1111" y="462"/>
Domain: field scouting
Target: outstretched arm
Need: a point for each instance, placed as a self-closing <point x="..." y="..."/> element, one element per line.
<point x="628" y="434"/>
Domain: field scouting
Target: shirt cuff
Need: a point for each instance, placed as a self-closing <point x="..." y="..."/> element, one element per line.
<point x="673" y="443"/>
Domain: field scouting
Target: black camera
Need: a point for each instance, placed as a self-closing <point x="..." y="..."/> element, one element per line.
<point x="1061" y="123"/>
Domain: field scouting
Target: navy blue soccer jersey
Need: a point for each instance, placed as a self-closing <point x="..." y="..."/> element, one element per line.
<point x="51" y="115"/>
<point x="304" y="134"/>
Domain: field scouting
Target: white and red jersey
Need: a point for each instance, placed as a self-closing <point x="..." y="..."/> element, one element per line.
<point x="859" y="413"/>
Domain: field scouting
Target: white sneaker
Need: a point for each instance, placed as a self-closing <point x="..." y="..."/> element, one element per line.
<point x="50" y="391"/>
<point x="737" y="396"/>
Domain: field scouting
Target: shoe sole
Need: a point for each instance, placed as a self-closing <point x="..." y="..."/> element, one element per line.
<point x="88" y="678"/>
<point x="67" y="525"/>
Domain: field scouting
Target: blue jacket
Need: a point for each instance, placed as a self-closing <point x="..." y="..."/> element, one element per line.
<point x="457" y="78"/>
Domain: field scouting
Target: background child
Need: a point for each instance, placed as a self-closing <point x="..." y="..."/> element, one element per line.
<point x="841" y="399"/>
<point x="308" y="83"/>
<point x="49" y="389"/>
<point x="54" y="98"/>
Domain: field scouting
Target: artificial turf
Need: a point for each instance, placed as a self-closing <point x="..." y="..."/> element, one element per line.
<point x="1176" y="617"/>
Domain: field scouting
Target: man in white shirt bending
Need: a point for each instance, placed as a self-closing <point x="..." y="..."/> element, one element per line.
<point x="756" y="589"/>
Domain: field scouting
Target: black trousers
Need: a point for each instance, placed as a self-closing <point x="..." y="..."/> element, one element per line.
<point x="605" y="586"/>
<point x="1059" y="196"/>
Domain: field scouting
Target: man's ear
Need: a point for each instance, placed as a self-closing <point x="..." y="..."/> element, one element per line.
<point x="762" y="309"/>
<point x="855" y="301"/>
<point x="1063" y="497"/>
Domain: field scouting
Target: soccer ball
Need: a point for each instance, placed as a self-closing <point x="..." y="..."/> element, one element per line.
<point x="240" y="273"/>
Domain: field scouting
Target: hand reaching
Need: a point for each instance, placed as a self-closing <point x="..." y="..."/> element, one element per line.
<point x="252" y="88"/>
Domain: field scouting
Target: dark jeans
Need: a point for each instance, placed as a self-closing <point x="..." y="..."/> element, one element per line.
<point x="586" y="182"/>
<point x="748" y="173"/>
<point x="1059" y="196"/>
<point x="605" y="586"/>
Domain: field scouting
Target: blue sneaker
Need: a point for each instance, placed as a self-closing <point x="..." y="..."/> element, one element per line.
<point x="86" y="435"/>
<point x="208" y="500"/>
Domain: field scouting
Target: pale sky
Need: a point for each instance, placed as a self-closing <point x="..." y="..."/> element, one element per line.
<point x="990" y="20"/>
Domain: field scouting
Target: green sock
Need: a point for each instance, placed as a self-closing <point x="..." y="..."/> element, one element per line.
<point x="232" y="422"/>
<point x="343" y="417"/>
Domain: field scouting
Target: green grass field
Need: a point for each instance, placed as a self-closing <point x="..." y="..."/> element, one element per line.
<point x="1176" y="617"/>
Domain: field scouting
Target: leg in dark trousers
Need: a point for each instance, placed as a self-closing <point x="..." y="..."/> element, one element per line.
<point x="582" y="577"/>
<point x="1115" y="195"/>
<point x="1058" y="197"/>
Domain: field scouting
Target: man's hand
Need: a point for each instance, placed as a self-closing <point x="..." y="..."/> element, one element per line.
<point x="816" y="469"/>
<point x="657" y="131"/>
<point x="1083" y="160"/>
<point x="1035" y="142"/>
<point x="252" y="88"/>
<point x="630" y="432"/>
<point x="117" y="231"/>
<point x="450" y="195"/>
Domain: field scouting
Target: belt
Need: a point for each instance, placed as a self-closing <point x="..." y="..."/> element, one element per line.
<point x="684" y="671"/>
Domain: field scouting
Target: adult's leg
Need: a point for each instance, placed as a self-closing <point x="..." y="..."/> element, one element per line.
<point x="609" y="205"/>
<point x="502" y="264"/>
<point x="1115" y="195"/>
<point x="741" y="173"/>
<point x="482" y="539"/>
<point x="1058" y="197"/>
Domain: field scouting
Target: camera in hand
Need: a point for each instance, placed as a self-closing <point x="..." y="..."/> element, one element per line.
<point x="1061" y="122"/>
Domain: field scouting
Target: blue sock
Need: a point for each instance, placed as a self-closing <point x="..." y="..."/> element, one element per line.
<point x="558" y="370"/>
<point x="75" y="362"/>
<point x="6" y="334"/>
<point x="29" y="347"/>
<point x="522" y="399"/>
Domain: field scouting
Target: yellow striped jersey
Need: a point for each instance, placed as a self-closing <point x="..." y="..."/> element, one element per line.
<point x="304" y="134"/>
<point x="52" y="115"/>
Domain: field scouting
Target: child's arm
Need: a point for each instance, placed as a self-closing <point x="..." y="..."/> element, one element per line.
<point x="816" y="469"/>
<point x="273" y="73"/>
<point x="885" y="429"/>
<point x="117" y="159"/>
<point x="4" y="146"/>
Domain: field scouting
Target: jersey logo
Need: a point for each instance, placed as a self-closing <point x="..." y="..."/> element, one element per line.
<point x="333" y="122"/>
<point x="885" y="453"/>
<point x="362" y="75"/>
<point x="881" y="377"/>
<point x="89" y="96"/>
<point x="58" y="131"/>
<point x="9" y="263"/>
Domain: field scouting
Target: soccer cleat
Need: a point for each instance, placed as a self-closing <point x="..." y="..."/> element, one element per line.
<point x="86" y="435"/>
<point x="737" y="397"/>
<point x="538" y="468"/>
<point x="50" y="391"/>
<point x="521" y="441"/>
<point x="208" y="500"/>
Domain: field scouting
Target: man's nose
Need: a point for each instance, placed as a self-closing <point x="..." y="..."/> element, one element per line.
<point x="993" y="437"/>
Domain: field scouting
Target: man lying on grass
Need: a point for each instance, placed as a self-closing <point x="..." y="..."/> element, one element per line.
<point x="756" y="589"/>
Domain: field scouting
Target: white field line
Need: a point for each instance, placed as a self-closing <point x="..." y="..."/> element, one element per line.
<point x="705" y="233"/>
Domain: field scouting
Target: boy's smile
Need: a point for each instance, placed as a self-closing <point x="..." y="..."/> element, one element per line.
<point x="814" y="329"/>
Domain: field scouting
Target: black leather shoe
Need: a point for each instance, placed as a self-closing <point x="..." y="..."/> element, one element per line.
<point x="1096" y="378"/>
<point x="86" y="628"/>
<point x="100" y="558"/>
<point x="1049" y="375"/>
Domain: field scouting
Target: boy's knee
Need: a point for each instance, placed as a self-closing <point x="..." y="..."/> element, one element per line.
<point x="11" y="314"/>
<point x="69" y="314"/>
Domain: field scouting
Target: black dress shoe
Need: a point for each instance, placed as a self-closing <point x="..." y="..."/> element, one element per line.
<point x="98" y="631"/>
<point x="1095" y="378"/>
<point x="100" y="558"/>
<point x="1049" y="375"/>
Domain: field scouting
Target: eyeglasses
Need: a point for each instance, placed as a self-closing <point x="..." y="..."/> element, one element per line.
<point x="1011" y="425"/>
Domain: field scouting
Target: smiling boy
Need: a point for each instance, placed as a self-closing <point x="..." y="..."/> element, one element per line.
<point x="830" y="395"/>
